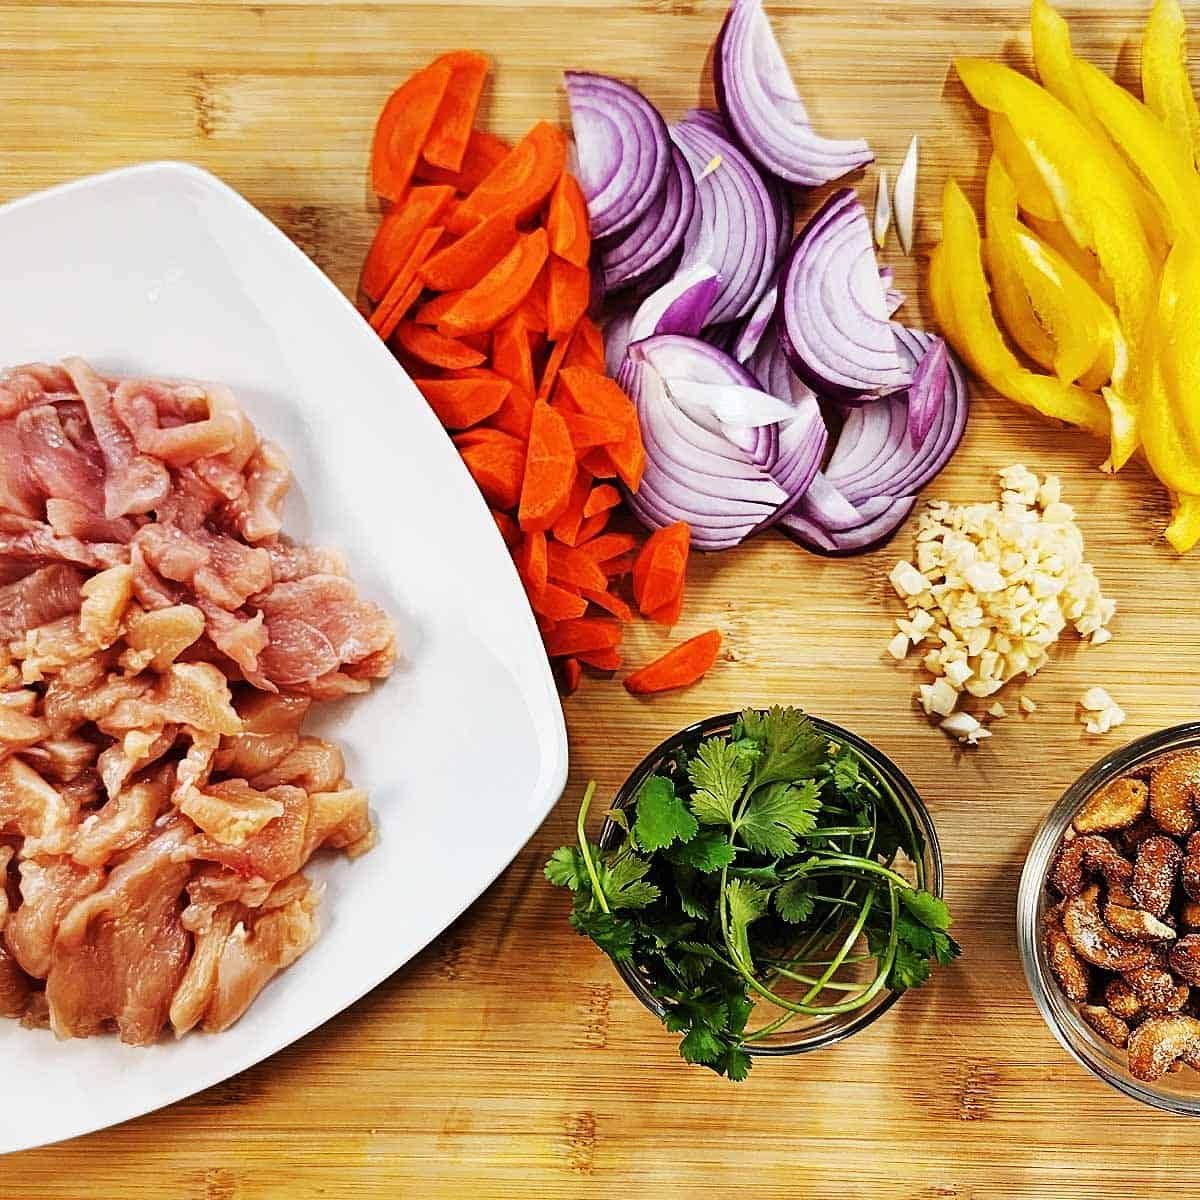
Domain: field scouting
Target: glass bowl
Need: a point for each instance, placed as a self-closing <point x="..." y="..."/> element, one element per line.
<point x="816" y="1032"/>
<point x="1178" y="1093"/>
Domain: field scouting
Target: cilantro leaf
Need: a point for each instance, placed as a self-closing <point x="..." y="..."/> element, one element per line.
<point x="929" y="909"/>
<point x="691" y="899"/>
<point x="662" y="817"/>
<point x="718" y="772"/>
<point x="846" y="774"/>
<point x="736" y="1064"/>
<point x="776" y="814"/>
<point x="708" y="851"/>
<point x="623" y="882"/>
<point x="618" y="817"/>
<point x="566" y="869"/>
<point x="794" y="901"/>
<point x="747" y="902"/>
<point x="701" y="1045"/>
<point x="910" y="968"/>
<point x="791" y="746"/>
<point x="614" y="935"/>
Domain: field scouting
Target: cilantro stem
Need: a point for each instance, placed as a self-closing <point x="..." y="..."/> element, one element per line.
<point x="585" y="850"/>
<point x="848" y="944"/>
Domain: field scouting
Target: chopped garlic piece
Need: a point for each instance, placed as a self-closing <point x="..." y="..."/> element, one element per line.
<point x="1096" y="700"/>
<point x="965" y="728"/>
<point x="898" y="647"/>
<point x="998" y="711"/>
<point x="1027" y="705"/>
<point x="995" y="587"/>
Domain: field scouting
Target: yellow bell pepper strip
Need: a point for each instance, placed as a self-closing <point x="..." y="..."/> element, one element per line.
<point x="1080" y="328"/>
<point x="958" y="290"/>
<point x="1165" y="82"/>
<point x="1168" y="420"/>
<point x="1055" y="235"/>
<point x="1032" y="194"/>
<point x="1095" y="205"/>
<point x="1056" y="63"/>
<point x="1162" y="161"/>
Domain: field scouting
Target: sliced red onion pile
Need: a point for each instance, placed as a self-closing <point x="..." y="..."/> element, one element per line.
<point x="731" y="338"/>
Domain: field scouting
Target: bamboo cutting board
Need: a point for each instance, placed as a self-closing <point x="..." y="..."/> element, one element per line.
<point x="507" y="1060"/>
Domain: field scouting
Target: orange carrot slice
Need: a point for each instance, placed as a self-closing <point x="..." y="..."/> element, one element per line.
<point x="465" y="261"/>
<point x="533" y="308"/>
<point x="610" y="546"/>
<point x="567" y="565"/>
<point x="591" y="528"/>
<point x="397" y="235"/>
<point x="568" y="292"/>
<point x="402" y="128"/>
<point x="510" y="531"/>
<point x="532" y="563"/>
<point x="669" y="613"/>
<point x="596" y="462"/>
<point x="567" y="222"/>
<point x="432" y="311"/>
<point x="678" y="668"/>
<point x="461" y="403"/>
<point x="553" y="365"/>
<point x="501" y="290"/>
<point x="405" y="288"/>
<point x="566" y="528"/>
<point x="520" y="182"/>
<point x="446" y="142"/>
<point x="484" y="151"/>
<point x="587" y="347"/>
<point x="549" y="471"/>
<point x="497" y="468"/>
<point x="604" y="599"/>
<point x="603" y="497"/>
<point x="659" y="571"/>
<point x="614" y="568"/>
<point x="583" y="636"/>
<point x="557" y="604"/>
<point x="602" y="660"/>
<point x="511" y="355"/>
<point x="569" y="676"/>
<point x="435" y="348"/>
<point x="588" y="432"/>
<point x="598" y="396"/>
<point x="547" y="624"/>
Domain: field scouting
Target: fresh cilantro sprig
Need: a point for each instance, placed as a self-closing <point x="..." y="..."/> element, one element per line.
<point x="759" y="867"/>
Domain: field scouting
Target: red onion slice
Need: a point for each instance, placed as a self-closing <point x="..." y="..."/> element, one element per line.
<point x="751" y="333"/>
<point x="622" y="151"/>
<point x="832" y="312"/>
<point x="651" y="241"/>
<point x="757" y="94"/>
<point x="927" y="392"/>
<point x="682" y="305"/>
<point x="869" y="536"/>
<point x="736" y="223"/>
<point x="727" y="480"/>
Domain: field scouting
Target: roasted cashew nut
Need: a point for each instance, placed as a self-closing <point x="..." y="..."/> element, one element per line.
<point x="1185" y="958"/>
<point x="1107" y="1024"/>
<point x="1089" y="855"/>
<point x="1122" y="1000"/>
<point x="1175" y="792"/>
<point x="1189" y="875"/>
<point x="1155" y="871"/>
<point x="1117" y="805"/>
<point x="1157" y="1045"/>
<point x="1066" y="966"/>
<point x="1093" y="941"/>
<point x="1133" y="923"/>
<point x="1158" y="990"/>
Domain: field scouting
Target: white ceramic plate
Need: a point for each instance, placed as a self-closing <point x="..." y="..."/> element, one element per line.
<point x="162" y="269"/>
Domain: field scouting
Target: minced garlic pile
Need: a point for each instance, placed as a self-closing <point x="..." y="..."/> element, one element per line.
<point x="993" y="587"/>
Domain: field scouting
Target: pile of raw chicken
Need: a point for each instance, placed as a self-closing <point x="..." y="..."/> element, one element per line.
<point x="160" y="644"/>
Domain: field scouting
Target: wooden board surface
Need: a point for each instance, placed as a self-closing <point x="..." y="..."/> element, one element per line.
<point x="508" y="1060"/>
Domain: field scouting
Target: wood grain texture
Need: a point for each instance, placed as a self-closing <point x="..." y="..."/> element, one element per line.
<point x="507" y="1060"/>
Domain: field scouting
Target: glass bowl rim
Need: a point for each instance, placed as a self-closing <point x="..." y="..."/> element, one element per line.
<point x="904" y="789"/>
<point x="1032" y="887"/>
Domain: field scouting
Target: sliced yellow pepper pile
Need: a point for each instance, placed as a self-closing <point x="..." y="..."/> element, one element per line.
<point x="1091" y="252"/>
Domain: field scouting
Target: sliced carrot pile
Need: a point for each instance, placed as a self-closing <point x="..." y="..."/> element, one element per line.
<point x="478" y="278"/>
<point x="678" y="668"/>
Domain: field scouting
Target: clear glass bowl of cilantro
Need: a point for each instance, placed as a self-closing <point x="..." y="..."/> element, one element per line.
<point x="767" y="883"/>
